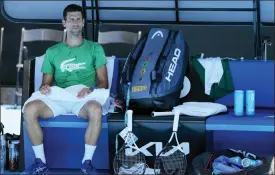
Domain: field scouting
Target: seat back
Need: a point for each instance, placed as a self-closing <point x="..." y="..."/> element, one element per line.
<point x="255" y="75"/>
<point x="118" y="37"/>
<point x="39" y="35"/>
<point x="33" y="35"/>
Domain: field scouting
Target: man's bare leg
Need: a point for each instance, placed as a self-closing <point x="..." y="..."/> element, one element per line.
<point x="92" y="111"/>
<point x="32" y="111"/>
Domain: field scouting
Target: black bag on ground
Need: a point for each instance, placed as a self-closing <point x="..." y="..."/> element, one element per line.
<point x="155" y="70"/>
<point x="203" y="163"/>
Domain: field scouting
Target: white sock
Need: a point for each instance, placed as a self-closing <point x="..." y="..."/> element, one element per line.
<point x="89" y="152"/>
<point x="39" y="152"/>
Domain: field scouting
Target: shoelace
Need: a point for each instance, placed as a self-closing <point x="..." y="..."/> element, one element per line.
<point x="90" y="167"/>
<point x="33" y="166"/>
<point x="36" y="167"/>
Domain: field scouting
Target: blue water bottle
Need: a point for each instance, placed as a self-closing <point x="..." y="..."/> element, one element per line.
<point x="250" y="102"/>
<point x="238" y="102"/>
<point x="250" y="163"/>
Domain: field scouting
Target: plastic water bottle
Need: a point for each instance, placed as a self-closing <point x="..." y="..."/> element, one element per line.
<point x="3" y="150"/>
<point x="12" y="158"/>
<point x="250" y="163"/>
<point x="250" y="102"/>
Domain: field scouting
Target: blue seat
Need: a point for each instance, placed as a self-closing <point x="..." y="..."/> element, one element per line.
<point x="228" y="122"/>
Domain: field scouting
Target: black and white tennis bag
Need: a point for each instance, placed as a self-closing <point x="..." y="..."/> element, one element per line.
<point x="156" y="68"/>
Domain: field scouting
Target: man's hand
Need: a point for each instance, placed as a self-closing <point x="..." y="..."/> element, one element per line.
<point x="45" y="89"/>
<point x="84" y="92"/>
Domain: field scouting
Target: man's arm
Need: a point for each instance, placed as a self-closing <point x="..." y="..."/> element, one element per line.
<point x="47" y="79"/>
<point x="102" y="77"/>
<point x="47" y="70"/>
<point x="46" y="83"/>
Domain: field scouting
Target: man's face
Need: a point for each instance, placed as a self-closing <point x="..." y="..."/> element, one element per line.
<point x="73" y="23"/>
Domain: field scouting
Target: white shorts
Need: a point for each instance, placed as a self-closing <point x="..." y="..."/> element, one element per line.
<point x="64" y="101"/>
<point x="64" y="108"/>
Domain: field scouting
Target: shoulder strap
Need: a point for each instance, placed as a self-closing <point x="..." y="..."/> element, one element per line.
<point x="132" y="59"/>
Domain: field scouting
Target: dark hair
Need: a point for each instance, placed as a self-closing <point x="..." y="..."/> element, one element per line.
<point x="72" y="8"/>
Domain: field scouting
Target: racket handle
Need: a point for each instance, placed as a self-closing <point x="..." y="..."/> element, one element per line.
<point x="130" y="120"/>
<point x="168" y="113"/>
<point x="176" y="120"/>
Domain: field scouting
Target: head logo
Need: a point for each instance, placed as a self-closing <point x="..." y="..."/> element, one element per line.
<point x="173" y="64"/>
<point x="157" y="33"/>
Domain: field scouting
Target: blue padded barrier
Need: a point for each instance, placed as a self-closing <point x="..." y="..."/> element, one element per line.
<point x="260" y="143"/>
<point x="250" y="133"/>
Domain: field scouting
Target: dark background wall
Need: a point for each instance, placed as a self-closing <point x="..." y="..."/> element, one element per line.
<point x="214" y="41"/>
<point x="223" y="41"/>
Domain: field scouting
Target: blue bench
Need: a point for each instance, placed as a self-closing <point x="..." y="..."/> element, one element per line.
<point x="64" y="135"/>
<point x="254" y="133"/>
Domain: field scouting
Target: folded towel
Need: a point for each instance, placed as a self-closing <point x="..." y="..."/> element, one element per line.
<point x="69" y="94"/>
<point x="201" y="109"/>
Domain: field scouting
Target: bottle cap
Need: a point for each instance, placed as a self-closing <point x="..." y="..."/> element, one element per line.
<point x="245" y="162"/>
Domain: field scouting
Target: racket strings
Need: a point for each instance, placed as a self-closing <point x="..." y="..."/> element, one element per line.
<point x="174" y="163"/>
<point x="130" y="162"/>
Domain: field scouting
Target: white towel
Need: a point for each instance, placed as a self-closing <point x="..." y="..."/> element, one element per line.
<point x="69" y="94"/>
<point x="213" y="72"/>
<point x="195" y="109"/>
<point x="201" y="109"/>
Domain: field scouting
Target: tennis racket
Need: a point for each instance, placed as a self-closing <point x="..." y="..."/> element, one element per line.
<point x="171" y="160"/>
<point x="127" y="102"/>
<point x="129" y="159"/>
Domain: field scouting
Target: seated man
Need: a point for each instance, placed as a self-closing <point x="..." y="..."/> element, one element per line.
<point x="74" y="62"/>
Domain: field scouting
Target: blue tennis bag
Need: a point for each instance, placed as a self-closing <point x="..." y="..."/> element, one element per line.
<point x="154" y="71"/>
